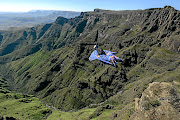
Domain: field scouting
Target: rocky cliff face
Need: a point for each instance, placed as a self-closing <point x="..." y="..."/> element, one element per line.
<point x="51" y="61"/>
<point x="160" y="101"/>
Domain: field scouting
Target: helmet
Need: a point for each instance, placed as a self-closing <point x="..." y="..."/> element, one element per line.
<point x="95" y="46"/>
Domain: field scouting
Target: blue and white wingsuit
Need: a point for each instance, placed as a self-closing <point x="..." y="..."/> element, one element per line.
<point x="108" y="57"/>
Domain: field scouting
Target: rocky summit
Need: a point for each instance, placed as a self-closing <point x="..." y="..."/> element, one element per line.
<point x="51" y="62"/>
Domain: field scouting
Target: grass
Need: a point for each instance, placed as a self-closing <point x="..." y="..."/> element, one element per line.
<point x="3" y="82"/>
<point x="22" y="107"/>
<point x="80" y="115"/>
<point x="29" y="62"/>
<point x="83" y="114"/>
<point x="93" y="114"/>
<point x="149" y="104"/>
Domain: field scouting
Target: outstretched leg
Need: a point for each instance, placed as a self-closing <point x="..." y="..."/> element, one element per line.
<point x="119" y="59"/>
<point x="114" y="63"/>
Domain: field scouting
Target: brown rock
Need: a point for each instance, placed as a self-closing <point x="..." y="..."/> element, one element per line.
<point x="160" y="101"/>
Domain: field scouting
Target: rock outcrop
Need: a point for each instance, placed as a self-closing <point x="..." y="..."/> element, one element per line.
<point x="160" y="101"/>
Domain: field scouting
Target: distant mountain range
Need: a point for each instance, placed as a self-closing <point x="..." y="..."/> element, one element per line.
<point x="32" y="18"/>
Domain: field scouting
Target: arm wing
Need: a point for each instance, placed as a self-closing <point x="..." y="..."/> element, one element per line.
<point x="93" y="55"/>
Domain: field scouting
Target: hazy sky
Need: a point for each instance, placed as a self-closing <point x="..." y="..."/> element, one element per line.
<point x="84" y="5"/>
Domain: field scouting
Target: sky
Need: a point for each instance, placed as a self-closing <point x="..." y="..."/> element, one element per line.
<point x="83" y="5"/>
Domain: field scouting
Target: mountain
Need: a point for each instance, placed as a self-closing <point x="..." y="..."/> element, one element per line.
<point x="32" y="18"/>
<point x="51" y="62"/>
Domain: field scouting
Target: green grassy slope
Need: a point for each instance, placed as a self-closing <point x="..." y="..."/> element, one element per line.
<point x="19" y="106"/>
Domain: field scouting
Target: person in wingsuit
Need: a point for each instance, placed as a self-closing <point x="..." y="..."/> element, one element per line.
<point x="104" y="56"/>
